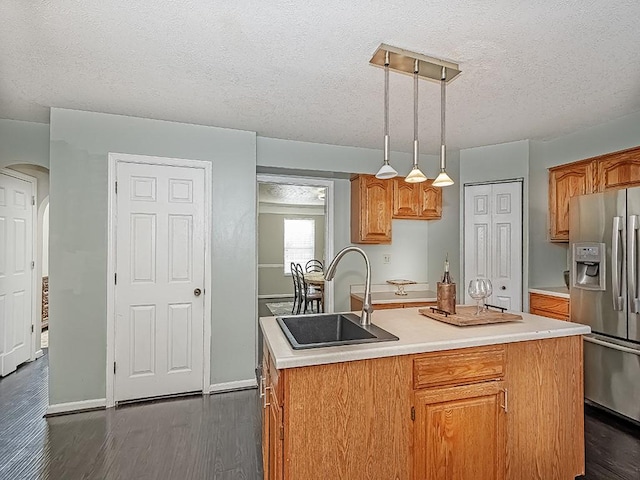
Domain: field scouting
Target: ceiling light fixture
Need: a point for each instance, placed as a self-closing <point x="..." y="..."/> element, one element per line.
<point x="443" y="179"/>
<point x="415" y="176"/>
<point x="386" y="171"/>
<point x="418" y="65"/>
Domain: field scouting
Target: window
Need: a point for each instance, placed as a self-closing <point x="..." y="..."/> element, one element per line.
<point x="299" y="241"/>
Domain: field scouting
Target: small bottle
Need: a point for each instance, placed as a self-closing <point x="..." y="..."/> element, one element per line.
<point x="446" y="278"/>
<point x="446" y="292"/>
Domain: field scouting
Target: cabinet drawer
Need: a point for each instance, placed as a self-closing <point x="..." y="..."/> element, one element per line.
<point x="549" y="306"/>
<point x="457" y="367"/>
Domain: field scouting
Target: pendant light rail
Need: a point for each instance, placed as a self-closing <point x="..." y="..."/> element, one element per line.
<point x="403" y="61"/>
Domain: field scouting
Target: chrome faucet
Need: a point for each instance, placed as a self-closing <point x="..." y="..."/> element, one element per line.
<point x="367" y="308"/>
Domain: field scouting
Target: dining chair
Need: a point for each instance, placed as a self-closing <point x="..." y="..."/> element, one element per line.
<point x="297" y="294"/>
<point x="309" y="294"/>
<point x="314" y="266"/>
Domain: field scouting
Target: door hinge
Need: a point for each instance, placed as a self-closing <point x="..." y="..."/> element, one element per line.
<point x="32" y="329"/>
<point x="281" y="432"/>
<point x="33" y="200"/>
<point x="33" y="264"/>
<point x="116" y="188"/>
<point x="114" y="367"/>
<point x="413" y="413"/>
<point x="115" y="278"/>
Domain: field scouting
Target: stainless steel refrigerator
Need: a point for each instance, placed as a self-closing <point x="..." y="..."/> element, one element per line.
<point x="605" y="294"/>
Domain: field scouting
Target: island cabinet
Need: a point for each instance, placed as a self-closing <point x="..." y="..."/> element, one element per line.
<point x="371" y="209"/>
<point x="509" y="411"/>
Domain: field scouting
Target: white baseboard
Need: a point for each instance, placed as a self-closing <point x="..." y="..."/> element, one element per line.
<point x="237" y="385"/>
<point x="69" y="407"/>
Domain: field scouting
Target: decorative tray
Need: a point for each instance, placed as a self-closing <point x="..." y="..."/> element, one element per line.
<point x="400" y="283"/>
<point x="466" y="315"/>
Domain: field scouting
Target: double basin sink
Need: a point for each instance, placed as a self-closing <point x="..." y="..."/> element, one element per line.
<point x="330" y="329"/>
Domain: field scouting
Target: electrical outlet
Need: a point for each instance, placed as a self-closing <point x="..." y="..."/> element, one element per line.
<point x="386" y="258"/>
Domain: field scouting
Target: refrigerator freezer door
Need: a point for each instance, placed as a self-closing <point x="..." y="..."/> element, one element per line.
<point x="592" y="219"/>
<point x="633" y="262"/>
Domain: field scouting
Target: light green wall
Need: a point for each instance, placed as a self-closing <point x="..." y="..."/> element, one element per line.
<point x="272" y="280"/>
<point x="80" y="142"/>
<point x="24" y="143"/>
<point x="547" y="260"/>
<point x="506" y="161"/>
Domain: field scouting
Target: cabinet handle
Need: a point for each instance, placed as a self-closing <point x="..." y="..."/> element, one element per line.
<point x="265" y="404"/>
<point x="505" y="405"/>
<point x="261" y="389"/>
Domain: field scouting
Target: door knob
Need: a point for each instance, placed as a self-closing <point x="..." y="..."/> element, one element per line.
<point x="197" y="292"/>
<point x="503" y="287"/>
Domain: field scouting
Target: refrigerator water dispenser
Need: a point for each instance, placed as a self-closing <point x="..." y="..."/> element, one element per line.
<point x="588" y="266"/>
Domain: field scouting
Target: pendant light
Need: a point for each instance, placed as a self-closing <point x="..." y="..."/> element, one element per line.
<point x="442" y="180"/>
<point x="415" y="176"/>
<point x="386" y="171"/>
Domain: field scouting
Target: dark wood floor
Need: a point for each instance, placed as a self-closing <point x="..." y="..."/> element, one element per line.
<point x="210" y="437"/>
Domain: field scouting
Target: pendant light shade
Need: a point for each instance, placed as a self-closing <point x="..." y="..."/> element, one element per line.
<point x="443" y="179"/>
<point x="415" y="176"/>
<point x="386" y="171"/>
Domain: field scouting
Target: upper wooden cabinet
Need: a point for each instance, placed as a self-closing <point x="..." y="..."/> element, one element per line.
<point x="371" y="209"/>
<point x="619" y="170"/>
<point x="375" y="202"/>
<point x="605" y="172"/>
<point x="566" y="181"/>
<point x="416" y="201"/>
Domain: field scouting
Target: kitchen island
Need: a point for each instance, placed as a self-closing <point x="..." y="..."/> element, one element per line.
<point x="483" y="402"/>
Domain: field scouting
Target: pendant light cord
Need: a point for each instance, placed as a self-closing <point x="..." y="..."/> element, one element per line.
<point x="386" y="108"/>
<point x="443" y="82"/>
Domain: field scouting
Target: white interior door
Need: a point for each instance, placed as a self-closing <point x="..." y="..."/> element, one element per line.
<point x="493" y="240"/>
<point x="16" y="270"/>
<point x="159" y="291"/>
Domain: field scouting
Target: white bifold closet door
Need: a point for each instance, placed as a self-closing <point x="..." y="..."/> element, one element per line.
<point x="493" y="240"/>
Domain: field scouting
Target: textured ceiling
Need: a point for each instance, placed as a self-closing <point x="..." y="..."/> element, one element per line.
<point x="290" y="194"/>
<point x="299" y="69"/>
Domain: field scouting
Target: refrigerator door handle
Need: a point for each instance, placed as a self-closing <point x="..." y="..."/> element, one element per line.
<point x="632" y="260"/>
<point x="616" y="263"/>
<point x="615" y="346"/>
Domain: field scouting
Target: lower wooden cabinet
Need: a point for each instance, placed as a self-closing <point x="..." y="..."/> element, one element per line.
<point x="460" y="432"/>
<point x="511" y="411"/>
<point x="549" y="306"/>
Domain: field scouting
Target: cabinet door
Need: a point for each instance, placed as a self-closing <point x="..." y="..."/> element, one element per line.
<point x="549" y="306"/>
<point x="430" y="199"/>
<point x="371" y="208"/>
<point x="406" y="199"/>
<point x="276" y="440"/>
<point x="566" y="182"/>
<point x="264" y="397"/>
<point x="459" y="433"/>
<point x="620" y="171"/>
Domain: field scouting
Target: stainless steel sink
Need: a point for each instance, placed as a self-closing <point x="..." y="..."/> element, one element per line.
<point x="330" y="329"/>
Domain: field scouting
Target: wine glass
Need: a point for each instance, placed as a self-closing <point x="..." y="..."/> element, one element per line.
<point x="489" y="291"/>
<point x="477" y="290"/>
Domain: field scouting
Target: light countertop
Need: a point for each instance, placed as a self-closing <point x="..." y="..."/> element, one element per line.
<point x="391" y="297"/>
<point x="417" y="334"/>
<point x="562" y="292"/>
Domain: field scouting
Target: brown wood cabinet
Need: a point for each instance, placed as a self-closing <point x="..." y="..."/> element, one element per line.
<point x="606" y="172"/>
<point x="416" y="201"/>
<point x="549" y="306"/>
<point x="371" y="209"/>
<point x="375" y="202"/>
<point x="567" y="181"/>
<point x="503" y="411"/>
<point x="272" y="421"/>
<point x="459" y="430"/>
